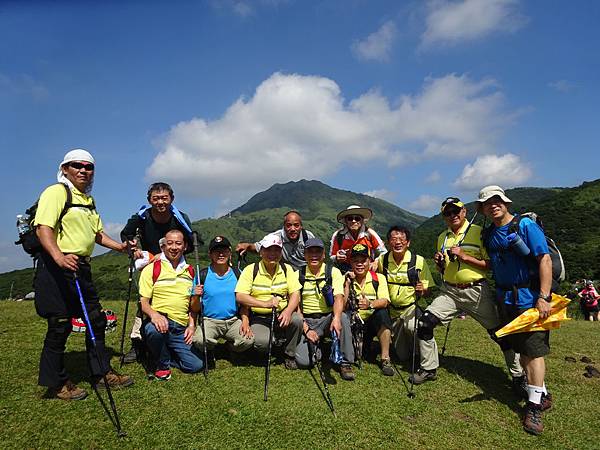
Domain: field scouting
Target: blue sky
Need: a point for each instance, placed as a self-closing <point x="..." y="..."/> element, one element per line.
<point x="408" y="101"/>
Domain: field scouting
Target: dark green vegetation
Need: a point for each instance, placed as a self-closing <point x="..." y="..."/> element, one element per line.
<point x="469" y="406"/>
<point x="571" y="217"/>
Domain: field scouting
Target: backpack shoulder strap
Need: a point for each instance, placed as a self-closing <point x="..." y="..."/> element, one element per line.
<point x="282" y="264"/>
<point x="156" y="267"/>
<point x="236" y="272"/>
<point x="304" y="235"/>
<point x="339" y="238"/>
<point x="328" y="276"/>
<point x="202" y="275"/>
<point x="386" y="263"/>
<point x="68" y="202"/>
<point x="413" y="274"/>
<point x="375" y="281"/>
<point x="302" y="276"/>
<point x="191" y="271"/>
<point x="255" y="270"/>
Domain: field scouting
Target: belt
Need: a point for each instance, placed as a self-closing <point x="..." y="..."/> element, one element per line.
<point x="315" y="315"/>
<point x="465" y="285"/>
<point x="400" y="308"/>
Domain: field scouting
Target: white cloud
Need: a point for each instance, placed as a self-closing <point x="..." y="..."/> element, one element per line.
<point x="505" y="170"/>
<point x="113" y="230"/>
<point x="433" y="177"/>
<point x="425" y="202"/>
<point x="383" y="194"/>
<point x="23" y="85"/>
<point x="377" y="46"/>
<point x="246" y="8"/>
<point x="298" y="126"/>
<point x="563" y="86"/>
<point x="451" y="22"/>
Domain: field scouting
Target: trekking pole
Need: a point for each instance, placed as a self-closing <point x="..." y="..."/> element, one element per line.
<point x="195" y="238"/>
<point x="130" y="282"/>
<point x="328" y="399"/>
<point x="411" y="393"/>
<point x="446" y="337"/>
<point x="115" y="420"/>
<point x="356" y="324"/>
<point x="241" y="257"/>
<point x="268" y="367"/>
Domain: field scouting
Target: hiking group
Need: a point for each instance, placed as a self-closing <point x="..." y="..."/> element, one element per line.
<point x="366" y="289"/>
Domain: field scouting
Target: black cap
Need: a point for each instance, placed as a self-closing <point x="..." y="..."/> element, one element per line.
<point x="218" y="242"/>
<point x="360" y="250"/>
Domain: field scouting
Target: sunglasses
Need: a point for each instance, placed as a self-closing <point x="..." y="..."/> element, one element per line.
<point x="451" y="212"/>
<point x="354" y="218"/>
<point x="79" y="166"/>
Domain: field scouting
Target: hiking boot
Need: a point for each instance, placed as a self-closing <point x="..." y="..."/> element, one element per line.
<point x="519" y="387"/>
<point x="347" y="373"/>
<point x="546" y="401"/>
<point x="532" y="419"/>
<point x="69" y="391"/>
<point x="422" y="376"/>
<point x="163" y="374"/>
<point x="386" y="367"/>
<point x="115" y="380"/>
<point x="290" y="363"/>
<point x="134" y="353"/>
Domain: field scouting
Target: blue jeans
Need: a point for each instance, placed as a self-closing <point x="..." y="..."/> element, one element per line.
<point x="170" y="350"/>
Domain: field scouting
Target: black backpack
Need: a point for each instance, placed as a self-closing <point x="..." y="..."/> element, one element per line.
<point x="412" y="272"/>
<point x="29" y="239"/>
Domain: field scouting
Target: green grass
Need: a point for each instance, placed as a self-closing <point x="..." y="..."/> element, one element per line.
<point x="469" y="406"/>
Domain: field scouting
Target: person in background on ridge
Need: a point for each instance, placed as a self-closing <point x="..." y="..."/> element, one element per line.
<point x="150" y="224"/>
<point x="67" y="237"/>
<point x="293" y="235"/>
<point x="589" y="299"/>
<point x="519" y="289"/>
<point x="463" y="262"/>
<point x="354" y="231"/>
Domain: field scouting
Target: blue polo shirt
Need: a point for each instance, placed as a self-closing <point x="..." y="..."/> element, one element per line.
<point x="509" y="268"/>
<point x="219" y="295"/>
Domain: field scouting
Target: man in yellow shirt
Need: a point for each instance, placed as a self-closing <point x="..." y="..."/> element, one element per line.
<point x="165" y="287"/>
<point x="463" y="262"/>
<point x="408" y="278"/>
<point x="372" y="300"/>
<point x="322" y="305"/>
<point x="67" y="231"/>
<point x="269" y="284"/>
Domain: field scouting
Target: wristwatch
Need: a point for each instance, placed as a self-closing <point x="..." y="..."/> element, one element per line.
<point x="544" y="297"/>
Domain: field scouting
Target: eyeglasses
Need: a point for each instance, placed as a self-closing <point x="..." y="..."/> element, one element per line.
<point x="79" y="166"/>
<point x="354" y="218"/>
<point x="451" y="212"/>
<point x="399" y="240"/>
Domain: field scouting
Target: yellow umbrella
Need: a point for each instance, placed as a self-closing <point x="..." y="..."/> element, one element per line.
<point x="530" y="319"/>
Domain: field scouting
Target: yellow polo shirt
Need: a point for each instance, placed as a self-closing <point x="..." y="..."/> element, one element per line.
<point x="369" y="292"/>
<point x="472" y="245"/>
<point x="313" y="300"/>
<point x="171" y="292"/>
<point x="77" y="230"/>
<point x="264" y="285"/>
<point x="402" y="296"/>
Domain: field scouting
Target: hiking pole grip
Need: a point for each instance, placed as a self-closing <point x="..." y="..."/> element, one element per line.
<point x="270" y="347"/>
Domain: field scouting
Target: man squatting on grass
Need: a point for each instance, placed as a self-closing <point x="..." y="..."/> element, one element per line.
<point x="463" y="262"/>
<point x="517" y="290"/>
<point x="218" y="299"/>
<point x="400" y="268"/>
<point x="269" y="284"/>
<point x="67" y="245"/>
<point x="293" y="237"/>
<point x="373" y="300"/>
<point x="321" y="318"/>
<point x="165" y="288"/>
<point x="150" y="224"/>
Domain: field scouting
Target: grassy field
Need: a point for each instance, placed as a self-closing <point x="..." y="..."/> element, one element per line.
<point x="469" y="406"/>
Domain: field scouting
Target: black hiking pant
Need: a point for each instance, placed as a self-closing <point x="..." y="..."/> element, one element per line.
<point x="57" y="301"/>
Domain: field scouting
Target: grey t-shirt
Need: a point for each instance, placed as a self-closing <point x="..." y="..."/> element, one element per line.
<point x="293" y="252"/>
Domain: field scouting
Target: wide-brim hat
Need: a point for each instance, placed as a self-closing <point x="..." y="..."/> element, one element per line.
<point x="352" y="210"/>
<point x="492" y="191"/>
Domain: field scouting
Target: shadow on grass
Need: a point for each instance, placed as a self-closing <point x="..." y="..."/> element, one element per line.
<point x="492" y="380"/>
<point x="78" y="369"/>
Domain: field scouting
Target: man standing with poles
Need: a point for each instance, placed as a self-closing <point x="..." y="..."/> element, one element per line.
<point x="149" y="225"/>
<point x="464" y="262"/>
<point x="401" y="268"/>
<point x="64" y="276"/>
<point x="269" y="287"/>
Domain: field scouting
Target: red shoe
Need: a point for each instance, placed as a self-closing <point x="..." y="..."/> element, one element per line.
<point x="163" y="374"/>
